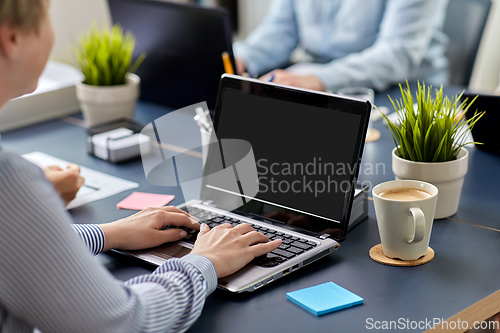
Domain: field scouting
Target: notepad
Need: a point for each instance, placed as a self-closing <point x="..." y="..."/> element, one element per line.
<point x="97" y="185"/>
<point x="140" y="201"/>
<point x="324" y="298"/>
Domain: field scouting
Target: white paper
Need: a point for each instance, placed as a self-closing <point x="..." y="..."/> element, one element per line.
<point x="97" y="185"/>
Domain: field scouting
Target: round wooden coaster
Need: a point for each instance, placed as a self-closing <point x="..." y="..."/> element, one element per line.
<point x="374" y="135"/>
<point x="379" y="256"/>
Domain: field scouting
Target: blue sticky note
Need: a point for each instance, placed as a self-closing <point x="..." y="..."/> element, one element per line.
<point x="324" y="298"/>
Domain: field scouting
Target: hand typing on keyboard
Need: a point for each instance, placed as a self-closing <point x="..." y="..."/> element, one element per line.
<point x="291" y="245"/>
<point x="147" y="229"/>
<point x="230" y="248"/>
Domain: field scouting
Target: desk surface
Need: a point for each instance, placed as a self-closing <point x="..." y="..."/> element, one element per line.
<point x="464" y="270"/>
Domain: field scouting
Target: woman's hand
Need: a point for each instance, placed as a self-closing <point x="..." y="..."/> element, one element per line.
<point x="66" y="182"/>
<point x="230" y="248"/>
<point x="302" y="81"/>
<point x="144" y="229"/>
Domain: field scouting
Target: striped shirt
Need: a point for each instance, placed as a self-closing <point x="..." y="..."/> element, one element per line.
<point x="50" y="280"/>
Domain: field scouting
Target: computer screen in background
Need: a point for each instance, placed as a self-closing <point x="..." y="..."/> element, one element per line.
<point x="184" y="45"/>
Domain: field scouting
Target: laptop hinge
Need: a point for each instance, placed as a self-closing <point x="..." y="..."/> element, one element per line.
<point x="208" y="202"/>
<point x="324" y="236"/>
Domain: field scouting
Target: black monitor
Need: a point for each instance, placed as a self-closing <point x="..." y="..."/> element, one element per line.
<point x="184" y="45"/>
<point x="485" y="130"/>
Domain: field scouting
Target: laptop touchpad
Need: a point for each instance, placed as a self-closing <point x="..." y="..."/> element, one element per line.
<point x="171" y="250"/>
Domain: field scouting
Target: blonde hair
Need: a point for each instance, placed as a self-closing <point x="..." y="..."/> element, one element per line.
<point x="23" y="14"/>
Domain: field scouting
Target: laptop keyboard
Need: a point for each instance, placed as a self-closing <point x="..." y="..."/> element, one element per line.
<point x="291" y="246"/>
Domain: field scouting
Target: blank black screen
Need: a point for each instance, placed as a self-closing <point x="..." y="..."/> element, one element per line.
<point x="284" y="133"/>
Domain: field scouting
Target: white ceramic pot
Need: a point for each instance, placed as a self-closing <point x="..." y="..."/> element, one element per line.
<point x="448" y="177"/>
<point x="101" y="104"/>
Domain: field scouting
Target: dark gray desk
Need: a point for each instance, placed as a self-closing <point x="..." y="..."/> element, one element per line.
<point x="464" y="270"/>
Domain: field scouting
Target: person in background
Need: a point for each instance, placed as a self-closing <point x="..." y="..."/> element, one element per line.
<point x="349" y="43"/>
<point x="48" y="276"/>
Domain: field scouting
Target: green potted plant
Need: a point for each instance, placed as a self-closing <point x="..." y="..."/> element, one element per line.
<point x="430" y="136"/>
<point x="110" y="89"/>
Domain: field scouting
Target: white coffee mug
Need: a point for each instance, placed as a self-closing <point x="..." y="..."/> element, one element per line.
<point x="405" y="226"/>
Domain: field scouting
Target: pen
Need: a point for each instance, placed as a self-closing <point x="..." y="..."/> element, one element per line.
<point x="271" y="78"/>
<point x="228" y="67"/>
<point x="91" y="187"/>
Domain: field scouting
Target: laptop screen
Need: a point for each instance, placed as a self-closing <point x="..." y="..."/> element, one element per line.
<point x="307" y="147"/>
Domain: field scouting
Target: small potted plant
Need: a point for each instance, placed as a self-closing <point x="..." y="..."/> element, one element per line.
<point x="110" y="89"/>
<point x="430" y="136"/>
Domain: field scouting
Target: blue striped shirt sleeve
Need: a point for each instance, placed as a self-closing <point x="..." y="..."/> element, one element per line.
<point x="92" y="236"/>
<point x="49" y="280"/>
<point x="187" y="281"/>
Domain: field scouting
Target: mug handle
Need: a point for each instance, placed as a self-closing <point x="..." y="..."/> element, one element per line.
<point x="417" y="234"/>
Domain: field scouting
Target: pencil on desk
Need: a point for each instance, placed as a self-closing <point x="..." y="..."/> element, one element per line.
<point x="228" y="67"/>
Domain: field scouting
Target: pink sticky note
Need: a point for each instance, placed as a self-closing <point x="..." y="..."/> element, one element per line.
<point x="140" y="201"/>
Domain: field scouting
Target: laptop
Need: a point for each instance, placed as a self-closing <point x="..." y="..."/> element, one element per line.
<point x="307" y="147"/>
<point x="184" y="45"/>
<point x="485" y="130"/>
